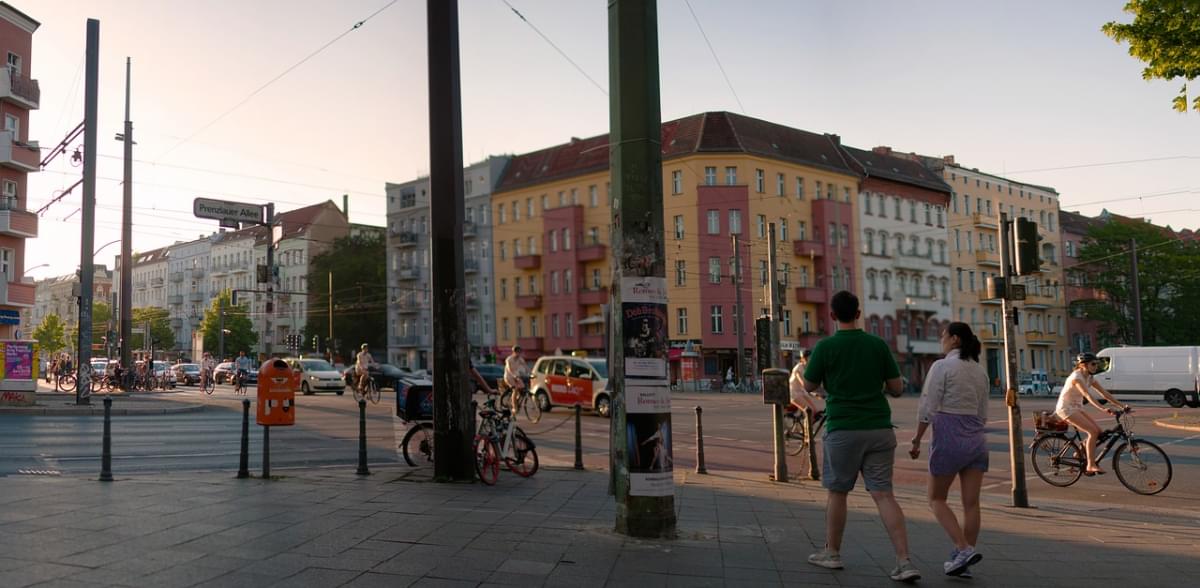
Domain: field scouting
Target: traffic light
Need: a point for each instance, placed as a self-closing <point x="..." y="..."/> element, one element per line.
<point x="317" y="342"/>
<point x="233" y="298"/>
<point x="1028" y="259"/>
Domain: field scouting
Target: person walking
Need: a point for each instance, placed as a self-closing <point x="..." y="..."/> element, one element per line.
<point x="954" y="401"/>
<point x="855" y="368"/>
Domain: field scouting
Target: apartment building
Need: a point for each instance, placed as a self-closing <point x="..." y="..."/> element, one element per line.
<point x="724" y="175"/>
<point x="410" y="341"/>
<point x="905" y="271"/>
<point x="60" y="296"/>
<point x="148" y="278"/>
<point x="976" y="200"/>
<point x="19" y="156"/>
<point x="188" y="287"/>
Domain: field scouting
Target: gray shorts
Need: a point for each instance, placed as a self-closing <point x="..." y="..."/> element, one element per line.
<point x="872" y="452"/>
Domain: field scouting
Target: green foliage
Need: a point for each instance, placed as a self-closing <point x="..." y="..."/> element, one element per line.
<point x="161" y="333"/>
<point x="1164" y="34"/>
<point x="1168" y="284"/>
<point x="101" y="314"/>
<point x="241" y="335"/>
<point x="360" y="294"/>
<point x="50" y="335"/>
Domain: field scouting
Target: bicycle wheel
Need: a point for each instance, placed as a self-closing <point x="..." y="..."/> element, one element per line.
<point x="524" y="462"/>
<point x="418" y="445"/>
<point x="531" y="408"/>
<point x="1142" y="467"/>
<point x="793" y="434"/>
<point x="506" y="400"/>
<point x="487" y="461"/>
<point x="208" y="385"/>
<point x="66" y="382"/>
<point x="1057" y="460"/>
<point x="373" y="391"/>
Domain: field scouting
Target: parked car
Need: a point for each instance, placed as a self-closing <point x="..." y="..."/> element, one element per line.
<point x="186" y="374"/>
<point x="492" y="374"/>
<point x="317" y="375"/>
<point x="385" y="375"/>
<point x="163" y="369"/>
<point x="563" y="380"/>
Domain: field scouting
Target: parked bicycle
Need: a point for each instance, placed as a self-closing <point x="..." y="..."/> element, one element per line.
<point x="1058" y="458"/>
<point x="499" y="439"/>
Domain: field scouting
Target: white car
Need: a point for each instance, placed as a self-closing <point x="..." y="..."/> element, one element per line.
<point x="317" y="375"/>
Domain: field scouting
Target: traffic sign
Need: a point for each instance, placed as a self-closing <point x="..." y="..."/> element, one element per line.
<point x="227" y="212"/>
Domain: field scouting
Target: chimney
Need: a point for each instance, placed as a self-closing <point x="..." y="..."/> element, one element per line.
<point x="948" y="159"/>
<point x="837" y="139"/>
<point x="882" y="150"/>
<point x="346" y="206"/>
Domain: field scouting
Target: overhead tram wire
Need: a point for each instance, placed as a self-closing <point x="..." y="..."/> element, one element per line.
<point x="250" y="96"/>
<point x="556" y="47"/>
<point x="715" y="58"/>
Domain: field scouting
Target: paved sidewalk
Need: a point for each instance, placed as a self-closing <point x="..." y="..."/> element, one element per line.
<point x="395" y="528"/>
<point x="62" y="404"/>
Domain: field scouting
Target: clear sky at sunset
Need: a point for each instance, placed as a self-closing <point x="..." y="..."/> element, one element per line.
<point x="1032" y="90"/>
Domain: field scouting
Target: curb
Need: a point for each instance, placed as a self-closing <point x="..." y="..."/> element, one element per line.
<point x="1166" y="424"/>
<point x="97" y="410"/>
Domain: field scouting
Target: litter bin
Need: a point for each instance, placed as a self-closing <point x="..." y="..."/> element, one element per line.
<point x="276" y="394"/>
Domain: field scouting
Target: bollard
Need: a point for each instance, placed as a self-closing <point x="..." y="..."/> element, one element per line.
<point x="362" y="439"/>
<point x="244" y="462"/>
<point x="106" y="455"/>
<point x="578" y="440"/>
<point x="266" y="452"/>
<point x="700" y="469"/>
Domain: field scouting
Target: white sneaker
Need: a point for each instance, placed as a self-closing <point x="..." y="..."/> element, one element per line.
<point x="963" y="559"/>
<point x="827" y="559"/>
<point x="905" y="572"/>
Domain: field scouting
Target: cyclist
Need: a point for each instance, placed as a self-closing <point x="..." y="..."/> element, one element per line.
<point x="207" y="365"/>
<point x="802" y="399"/>
<point x="362" y="366"/>
<point x="515" y="372"/>
<point x="242" y="366"/>
<point x="1070" y="404"/>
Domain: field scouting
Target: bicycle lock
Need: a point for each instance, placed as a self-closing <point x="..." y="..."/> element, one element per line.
<point x="362" y="438"/>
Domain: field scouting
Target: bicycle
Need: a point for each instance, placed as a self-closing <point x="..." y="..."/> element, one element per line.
<point x="1059" y="460"/>
<point x="368" y="390"/>
<point x="526" y="402"/>
<point x="239" y="382"/>
<point x="64" y="382"/>
<point x="499" y="439"/>
<point x="207" y="383"/>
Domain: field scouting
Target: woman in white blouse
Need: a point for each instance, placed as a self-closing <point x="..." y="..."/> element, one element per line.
<point x="954" y="400"/>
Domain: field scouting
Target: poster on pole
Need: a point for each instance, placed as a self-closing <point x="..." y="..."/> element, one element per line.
<point x="651" y="457"/>
<point x="644" y="322"/>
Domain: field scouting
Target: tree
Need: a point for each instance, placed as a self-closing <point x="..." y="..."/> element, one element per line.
<point x="101" y="314"/>
<point x="1165" y="34"/>
<point x="50" y="335"/>
<point x="240" y="335"/>
<point x="360" y="293"/>
<point x="1168" y="283"/>
<point x="161" y="333"/>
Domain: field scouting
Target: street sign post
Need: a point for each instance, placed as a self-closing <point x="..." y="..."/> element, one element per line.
<point x="228" y="212"/>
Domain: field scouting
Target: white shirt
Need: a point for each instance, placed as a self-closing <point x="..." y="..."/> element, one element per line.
<point x="514" y="369"/>
<point x="954" y="386"/>
<point x="1070" y="400"/>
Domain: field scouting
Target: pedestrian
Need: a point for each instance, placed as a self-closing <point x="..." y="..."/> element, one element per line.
<point x="954" y="400"/>
<point x="728" y="379"/>
<point x="855" y="369"/>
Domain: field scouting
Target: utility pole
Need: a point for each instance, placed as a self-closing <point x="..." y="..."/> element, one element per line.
<point x="1136" y="294"/>
<point x="220" y="327"/>
<point x="1016" y="439"/>
<point x="126" y="306"/>
<point x="329" y="339"/>
<point x="270" y="306"/>
<point x="453" y="421"/>
<point x="91" y="98"/>
<point x="644" y="484"/>
<point x="773" y="298"/>
<point x="738" y="315"/>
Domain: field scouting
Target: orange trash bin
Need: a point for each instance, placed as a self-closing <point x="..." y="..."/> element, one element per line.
<point x="276" y="394"/>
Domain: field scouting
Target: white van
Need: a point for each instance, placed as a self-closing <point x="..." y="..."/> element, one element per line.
<point x="1173" y="372"/>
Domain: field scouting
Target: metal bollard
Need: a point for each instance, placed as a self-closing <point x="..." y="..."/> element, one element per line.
<point x="266" y="452"/>
<point x="106" y="451"/>
<point x="578" y="440"/>
<point x="700" y="469"/>
<point x="244" y="462"/>
<point x="362" y="439"/>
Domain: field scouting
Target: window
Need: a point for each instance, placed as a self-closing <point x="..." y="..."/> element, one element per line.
<point x="783" y="274"/>
<point x="829" y="188"/>
<point x="928" y="215"/>
<point x="762" y="226"/>
<point x="735" y="222"/>
<point x="566" y="236"/>
<point x="714" y="222"/>
<point x="817" y="192"/>
<point x="520" y="327"/>
<point x="594" y="235"/>
<point x="971" y="282"/>
<point x="500" y="217"/>
<point x="14" y="63"/>
<point x="802" y="230"/>
<point x="940" y="220"/>
<point x="799" y="188"/>
<point x="896" y="205"/>
<point x="871" y="290"/>
<point x="783" y="229"/>
<point x="678" y="227"/>
<point x="516" y="212"/>
<point x="887" y="285"/>
<point x="529" y="208"/>
<point x="554" y="325"/>
<point x="568" y="281"/>
<point x="532" y="244"/>
<point x="762" y="271"/>
<point x="680" y="273"/>
<point x="593" y="201"/>
<point x="504" y="327"/>
<point x="832" y="234"/>
<point x="677" y="182"/>
<point x="868" y="242"/>
<point x="730" y="176"/>
<point x="517" y="287"/>
<point x="12" y="123"/>
<point x="787" y="322"/>
<point x="804" y="276"/>
<point x="681" y="320"/>
<point x="805" y="322"/>
<point x="596" y="283"/>
<point x="516" y="248"/>
<point x="710" y="176"/>
<point x="759" y="181"/>
<point x="554" y="286"/>
<point x="574" y="199"/>
<point x="503" y="250"/>
<point x="545" y="202"/>
<point x="912" y="211"/>
<point x="553" y="241"/>
<point x="867" y="203"/>
<point x="533" y="326"/>
<point x="780" y="187"/>
<point x="844" y="237"/>
<point x="714" y="270"/>
<point x="716" y="325"/>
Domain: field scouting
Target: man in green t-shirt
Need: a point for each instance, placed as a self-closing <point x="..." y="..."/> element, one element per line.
<point x="856" y="368"/>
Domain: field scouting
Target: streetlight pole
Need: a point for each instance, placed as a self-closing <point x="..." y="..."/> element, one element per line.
<point x="908" y="346"/>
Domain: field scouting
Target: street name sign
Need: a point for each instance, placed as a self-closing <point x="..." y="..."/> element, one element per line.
<point x="227" y="212"/>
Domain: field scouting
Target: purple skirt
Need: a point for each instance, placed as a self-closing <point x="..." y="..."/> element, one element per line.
<point x="958" y="443"/>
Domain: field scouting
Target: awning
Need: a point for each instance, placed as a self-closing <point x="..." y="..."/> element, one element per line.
<point x="595" y="319"/>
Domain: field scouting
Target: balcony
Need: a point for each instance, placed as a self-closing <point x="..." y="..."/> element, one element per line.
<point x="913" y="263"/>
<point x="527" y="261"/>
<point x="239" y="269"/>
<point x="195" y="296"/>
<point x="406" y="239"/>
<point x="983" y="221"/>
<point x="808" y="248"/>
<point x="406" y="340"/>
<point x="470" y="266"/>
<point x="529" y="302"/>
<point x="983" y="297"/>
<point x="139" y="285"/>
<point x="919" y="346"/>
<point x="175" y="299"/>
<point x="218" y="270"/>
<point x="16" y="222"/>
<point x="176" y="276"/>
<point x="1039" y="338"/>
<point x="25" y="157"/>
<point x="991" y="258"/>
<point x="407" y="273"/>
<point x="472" y="302"/>
<point x="1037" y="301"/>
<point x="595" y="252"/>
<point x="198" y="273"/>
<point x="17" y="294"/>
<point x="596" y="296"/>
<point x="529" y="343"/>
<point x="19" y="90"/>
<point x="469" y="230"/>
<point x="989" y="334"/>
<point x="156" y="282"/>
<point x="406" y="304"/>
<point x="811" y="295"/>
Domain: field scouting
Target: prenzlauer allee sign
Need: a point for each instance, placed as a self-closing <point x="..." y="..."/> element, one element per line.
<point x="225" y="210"/>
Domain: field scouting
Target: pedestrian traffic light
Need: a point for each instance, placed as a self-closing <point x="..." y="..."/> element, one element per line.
<point x="1028" y="257"/>
<point x="317" y="342"/>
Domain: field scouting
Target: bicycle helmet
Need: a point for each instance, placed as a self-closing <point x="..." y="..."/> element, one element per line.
<point x="1085" y="357"/>
<point x="363" y="346"/>
<point x="516" y="348"/>
<point x="806" y="354"/>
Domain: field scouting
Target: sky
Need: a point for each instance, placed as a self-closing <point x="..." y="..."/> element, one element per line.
<point x="1026" y="89"/>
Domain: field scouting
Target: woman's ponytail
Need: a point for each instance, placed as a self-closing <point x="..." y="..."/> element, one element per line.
<point x="969" y="345"/>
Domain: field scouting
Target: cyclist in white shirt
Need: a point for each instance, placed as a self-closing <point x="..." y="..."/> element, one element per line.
<point x="1071" y="399"/>
<point x="207" y="365"/>
<point x="515" y="372"/>
<point x="362" y="365"/>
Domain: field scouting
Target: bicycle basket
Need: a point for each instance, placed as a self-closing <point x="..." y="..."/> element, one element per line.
<point x="1046" y="421"/>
